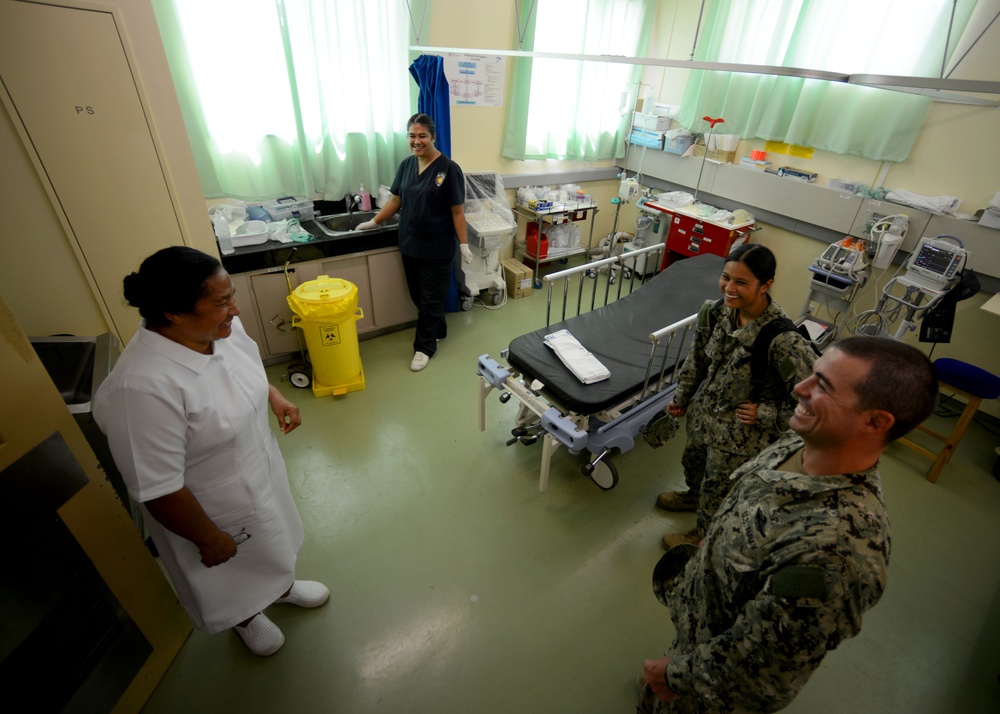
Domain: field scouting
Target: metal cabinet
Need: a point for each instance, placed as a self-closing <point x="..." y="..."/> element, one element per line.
<point x="354" y="269"/>
<point x="391" y="304"/>
<point x="68" y="85"/>
<point x="270" y="293"/>
<point x="560" y="213"/>
<point x="691" y="235"/>
<point x="382" y="297"/>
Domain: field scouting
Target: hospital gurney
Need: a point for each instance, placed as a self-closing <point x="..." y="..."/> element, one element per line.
<point x="642" y="338"/>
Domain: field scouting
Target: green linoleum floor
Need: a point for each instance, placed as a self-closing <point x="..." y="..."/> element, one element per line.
<point x="458" y="587"/>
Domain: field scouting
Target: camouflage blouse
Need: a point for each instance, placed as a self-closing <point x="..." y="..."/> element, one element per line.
<point x="789" y="565"/>
<point x="716" y="373"/>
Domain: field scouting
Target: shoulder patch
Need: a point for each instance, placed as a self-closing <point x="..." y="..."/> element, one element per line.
<point x="800" y="581"/>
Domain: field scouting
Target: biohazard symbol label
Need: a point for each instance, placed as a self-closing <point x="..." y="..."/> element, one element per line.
<point x="330" y="334"/>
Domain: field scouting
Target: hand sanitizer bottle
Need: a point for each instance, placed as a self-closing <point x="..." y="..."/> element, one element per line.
<point x="366" y="199"/>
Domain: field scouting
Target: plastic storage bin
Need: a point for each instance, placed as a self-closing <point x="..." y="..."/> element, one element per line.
<point x="536" y="248"/>
<point x="289" y="207"/>
<point x="326" y="310"/>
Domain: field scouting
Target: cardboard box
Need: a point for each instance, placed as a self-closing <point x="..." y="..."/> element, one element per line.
<point x="518" y="276"/>
<point x="723" y="157"/>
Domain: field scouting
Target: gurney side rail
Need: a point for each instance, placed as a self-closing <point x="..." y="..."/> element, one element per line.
<point x="677" y="337"/>
<point x="627" y="260"/>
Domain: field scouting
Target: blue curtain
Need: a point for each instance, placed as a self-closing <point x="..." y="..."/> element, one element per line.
<point x="428" y="73"/>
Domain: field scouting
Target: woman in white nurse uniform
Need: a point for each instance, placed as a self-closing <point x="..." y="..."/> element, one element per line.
<point x="185" y="410"/>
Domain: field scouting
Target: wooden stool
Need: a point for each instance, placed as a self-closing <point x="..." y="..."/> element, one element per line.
<point x="972" y="383"/>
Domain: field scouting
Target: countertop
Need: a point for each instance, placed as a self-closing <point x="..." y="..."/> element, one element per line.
<point x="273" y="254"/>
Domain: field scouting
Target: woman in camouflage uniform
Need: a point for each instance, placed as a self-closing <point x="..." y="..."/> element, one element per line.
<point x="733" y="413"/>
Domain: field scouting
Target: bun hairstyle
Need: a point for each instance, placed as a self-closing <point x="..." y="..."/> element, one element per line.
<point x="170" y="281"/>
<point x="425" y="121"/>
<point x="758" y="258"/>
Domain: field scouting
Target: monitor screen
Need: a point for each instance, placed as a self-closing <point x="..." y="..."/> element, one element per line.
<point x="934" y="259"/>
<point x="937" y="261"/>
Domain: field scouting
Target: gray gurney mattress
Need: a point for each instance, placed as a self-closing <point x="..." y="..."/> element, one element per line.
<point x="618" y="335"/>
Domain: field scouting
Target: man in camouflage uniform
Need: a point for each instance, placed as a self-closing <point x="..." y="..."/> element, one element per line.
<point x="799" y="549"/>
<point x="714" y="387"/>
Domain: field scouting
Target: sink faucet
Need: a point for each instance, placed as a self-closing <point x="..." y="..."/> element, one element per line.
<point x="351" y="200"/>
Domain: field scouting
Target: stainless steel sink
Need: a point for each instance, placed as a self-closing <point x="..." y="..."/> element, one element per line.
<point x="342" y="223"/>
<point x="77" y="365"/>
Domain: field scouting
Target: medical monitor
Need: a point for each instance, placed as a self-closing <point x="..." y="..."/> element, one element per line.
<point x="938" y="261"/>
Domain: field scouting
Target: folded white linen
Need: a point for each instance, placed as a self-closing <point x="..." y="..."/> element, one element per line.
<point x="584" y="366"/>
<point x="938" y="205"/>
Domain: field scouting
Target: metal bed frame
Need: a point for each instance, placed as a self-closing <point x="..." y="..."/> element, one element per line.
<point x="613" y="429"/>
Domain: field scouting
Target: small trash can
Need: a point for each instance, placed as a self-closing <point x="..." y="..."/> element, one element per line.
<point x="326" y="310"/>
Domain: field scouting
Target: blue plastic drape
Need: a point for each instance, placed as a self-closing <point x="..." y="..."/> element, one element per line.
<point x="433" y="100"/>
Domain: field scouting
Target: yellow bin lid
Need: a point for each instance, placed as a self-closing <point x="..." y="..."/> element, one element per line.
<point x="323" y="296"/>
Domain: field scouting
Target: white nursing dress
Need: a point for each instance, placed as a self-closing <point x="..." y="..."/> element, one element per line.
<point x="176" y="418"/>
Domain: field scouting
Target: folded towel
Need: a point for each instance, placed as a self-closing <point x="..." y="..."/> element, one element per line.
<point x="938" y="205"/>
<point x="577" y="359"/>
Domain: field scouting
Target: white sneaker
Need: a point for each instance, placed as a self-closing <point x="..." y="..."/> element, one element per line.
<point x="306" y="593"/>
<point x="419" y="361"/>
<point x="261" y="635"/>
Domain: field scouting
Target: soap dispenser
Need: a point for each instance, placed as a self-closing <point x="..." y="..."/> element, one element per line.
<point x="366" y="199"/>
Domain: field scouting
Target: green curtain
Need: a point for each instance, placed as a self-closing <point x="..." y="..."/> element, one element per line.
<point x="563" y="109"/>
<point x="290" y="97"/>
<point x="872" y="123"/>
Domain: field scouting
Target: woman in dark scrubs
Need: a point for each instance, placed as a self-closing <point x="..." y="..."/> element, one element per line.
<point x="429" y="194"/>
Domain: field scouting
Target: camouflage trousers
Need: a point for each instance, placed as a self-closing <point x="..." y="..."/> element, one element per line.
<point x="649" y="704"/>
<point x="706" y="473"/>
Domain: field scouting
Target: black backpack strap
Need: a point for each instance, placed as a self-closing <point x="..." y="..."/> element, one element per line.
<point x="759" y="351"/>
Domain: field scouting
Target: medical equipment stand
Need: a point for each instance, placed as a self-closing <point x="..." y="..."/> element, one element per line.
<point x="557" y="214"/>
<point x="711" y="128"/>
<point x="837" y="300"/>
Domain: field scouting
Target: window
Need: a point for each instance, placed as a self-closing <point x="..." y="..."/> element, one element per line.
<point x="565" y="109"/>
<point x="290" y="97"/>
<point x="895" y="37"/>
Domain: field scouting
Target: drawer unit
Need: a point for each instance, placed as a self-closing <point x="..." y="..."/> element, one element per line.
<point x="691" y="235"/>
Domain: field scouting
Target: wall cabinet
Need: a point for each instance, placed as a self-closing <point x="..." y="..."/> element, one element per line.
<point x="68" y="85"/>
<point x="382" y="297"/>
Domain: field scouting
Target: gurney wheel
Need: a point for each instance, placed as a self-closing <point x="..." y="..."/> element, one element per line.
<point x="603" y="473"/>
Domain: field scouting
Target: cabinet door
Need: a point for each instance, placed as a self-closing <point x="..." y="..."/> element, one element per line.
<point x="248" y="310"/>
<point x="354" y="269"/>
<point x="270" y="293"/>
<point x="72" y="89"/>
<point x="390" y="298"/>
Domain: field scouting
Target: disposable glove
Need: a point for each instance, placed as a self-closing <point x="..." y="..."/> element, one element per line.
<point x="367" y="225"/>
<point x="466" y="253"/>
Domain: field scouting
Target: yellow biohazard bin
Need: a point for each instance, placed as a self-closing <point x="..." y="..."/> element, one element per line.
<point x="326" y="310"/>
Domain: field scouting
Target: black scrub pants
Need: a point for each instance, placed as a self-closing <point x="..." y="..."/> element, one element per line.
<point x="428" y="281"/>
